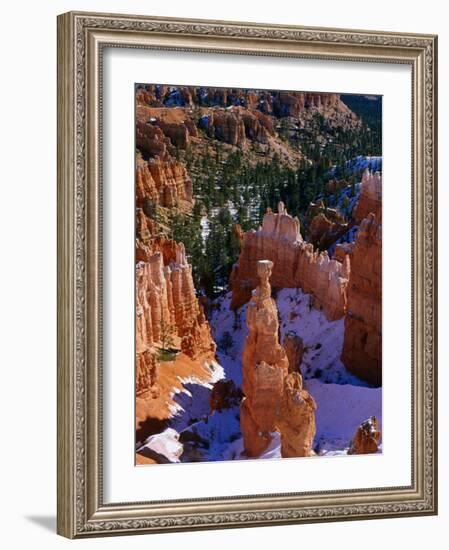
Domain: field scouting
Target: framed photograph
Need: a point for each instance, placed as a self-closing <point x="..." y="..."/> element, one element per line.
<point x="246" y="274"/>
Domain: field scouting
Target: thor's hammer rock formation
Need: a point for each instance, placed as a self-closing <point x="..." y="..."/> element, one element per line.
<point x="272" y="397"/>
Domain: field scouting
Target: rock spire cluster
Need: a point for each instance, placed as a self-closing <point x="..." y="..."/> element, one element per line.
<point x="165" y="296"/>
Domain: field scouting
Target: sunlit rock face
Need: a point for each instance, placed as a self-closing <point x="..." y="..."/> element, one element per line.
<point x="370" y="200"/>
<point x="295" y="265"/>
<point x="145" y="371"/>
<point x="362" y="348"/>
<point x="236" y="125"/>
<point x="296" y="418"/>
<point x="160" y="178"/>
<point x="165" y="295"/>
<point x="164" y="182"/>
<point x="367" y="438"/>
<point x="274" y="400"/>
<point x="264" y="367"/>
<point x="294" y="348"/>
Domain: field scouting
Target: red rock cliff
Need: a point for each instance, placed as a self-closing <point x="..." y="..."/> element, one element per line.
<point x="235" y="125"/>
<point x="362" y="348"/>
<point x="294" y="103"/>
<point x="295" y="265"/>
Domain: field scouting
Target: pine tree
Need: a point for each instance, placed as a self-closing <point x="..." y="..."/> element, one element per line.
<point x="166" y="330"/>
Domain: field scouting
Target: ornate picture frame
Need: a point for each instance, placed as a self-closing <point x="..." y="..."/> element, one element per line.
<point x="82" y="38"/>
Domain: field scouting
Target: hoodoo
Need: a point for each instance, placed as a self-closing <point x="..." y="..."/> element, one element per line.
<point x="366" y="439"/>
<point x="265" y="366"/>
<point x="274" y="400"/>
<point x="165" y="293"/>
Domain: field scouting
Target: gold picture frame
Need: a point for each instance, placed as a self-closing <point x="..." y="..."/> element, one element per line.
<point x="81" y="39"/>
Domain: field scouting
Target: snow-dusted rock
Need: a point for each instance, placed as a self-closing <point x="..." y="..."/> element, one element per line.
<point x="166" y="444"/>
<point x="367" y="438"/>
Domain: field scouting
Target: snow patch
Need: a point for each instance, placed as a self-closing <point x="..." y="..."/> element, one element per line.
<point x="223" y="320"/>
<point x="166" y="444"/>
<point x="323" y="339"/>
<point x="341" y="409"/>
<point x="212" y="436"/>
<point x="358" y="164"/>
<point x="191" y="403"/>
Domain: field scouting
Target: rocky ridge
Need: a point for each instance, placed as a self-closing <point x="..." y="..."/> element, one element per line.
<point x="325" y="225"/>
<point x="296" y="264"/>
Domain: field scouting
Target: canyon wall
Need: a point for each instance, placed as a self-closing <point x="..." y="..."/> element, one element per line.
<point x="160" y="178"/>
<point x="276" y="103"/>
<point x="235" y="125"/>
<point x="362" y="348"/>
<point x="169" y="117"/>
<point x="273" y="397"/>
<point x="164" y="182"/>
<point x="296" y="419"/>
<point x="295" y="265"/>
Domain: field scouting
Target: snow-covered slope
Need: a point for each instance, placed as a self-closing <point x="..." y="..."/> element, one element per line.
<point x="192" y="402"/>
<point x="223" y="320"/>
<point x="341" y="409"/>
<point x="343" y="401"/>
<point x="323" y="339"/>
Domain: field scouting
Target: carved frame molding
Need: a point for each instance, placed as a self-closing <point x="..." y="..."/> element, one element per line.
<point x="81" y="39"/>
